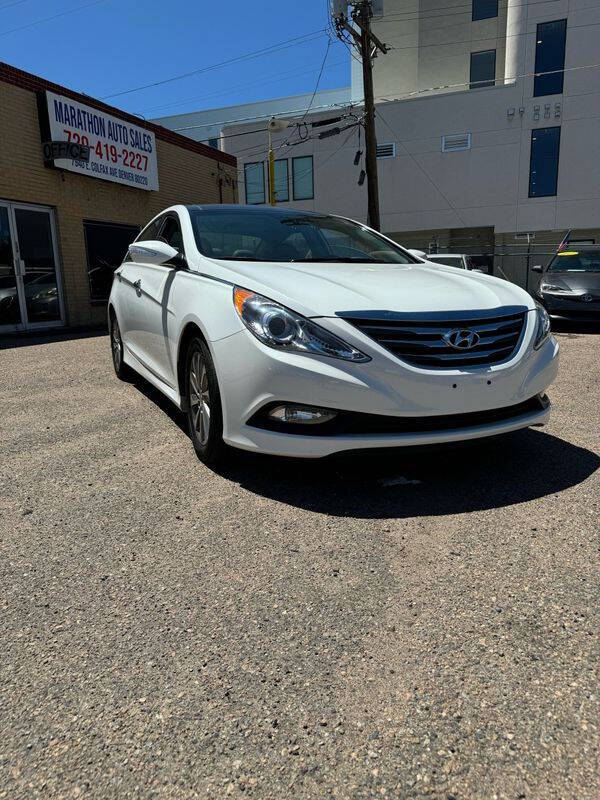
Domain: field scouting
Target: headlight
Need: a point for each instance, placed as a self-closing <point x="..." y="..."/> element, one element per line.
<point x="277" y="326"/>
<point x="551" y="287"/>
<point x="542" y="331"/>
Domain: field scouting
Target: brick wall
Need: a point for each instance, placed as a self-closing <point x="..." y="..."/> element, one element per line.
<point x="187" y="173"/>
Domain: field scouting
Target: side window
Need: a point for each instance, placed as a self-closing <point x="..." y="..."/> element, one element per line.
<point x="543" y="164"/>
<point x="549" y="57"/>
<point x="484" y="9"/>
<point x="151" y="231"/>
<point x="483" y="69"/>
<point x="171" y="233"/>
<point x="302" y="178"/>
<point x="254" y="182"/>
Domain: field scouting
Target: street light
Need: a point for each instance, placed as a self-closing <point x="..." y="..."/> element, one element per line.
<point x="273" y="126"/>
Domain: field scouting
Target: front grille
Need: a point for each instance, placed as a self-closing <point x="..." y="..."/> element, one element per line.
<point x="418" y="338"/>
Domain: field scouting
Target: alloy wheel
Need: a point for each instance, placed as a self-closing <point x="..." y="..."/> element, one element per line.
<point x="116" y="345"/>
<point x="199" y="398"/>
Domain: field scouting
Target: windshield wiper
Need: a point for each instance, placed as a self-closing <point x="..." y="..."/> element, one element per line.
<point x="341" y="260"/>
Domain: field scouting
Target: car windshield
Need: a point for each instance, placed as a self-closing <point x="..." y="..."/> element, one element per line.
<point x="576" y="261"/>
<point x="284" y="235"/>
<point x="450" y="261"/>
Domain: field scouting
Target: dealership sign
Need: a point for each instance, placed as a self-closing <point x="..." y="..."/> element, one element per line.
<point x="118" y="151"/>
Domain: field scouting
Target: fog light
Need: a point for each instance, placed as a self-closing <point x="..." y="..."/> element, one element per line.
<point x="304" y="415"/>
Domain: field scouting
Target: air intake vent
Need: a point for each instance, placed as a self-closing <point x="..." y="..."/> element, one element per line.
<point x="387" y="150"/>
<point x="455" y="142"/>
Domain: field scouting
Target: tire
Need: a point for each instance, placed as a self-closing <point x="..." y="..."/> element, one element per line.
<point x="122" y="371"/>
<point x="204" y="411"/>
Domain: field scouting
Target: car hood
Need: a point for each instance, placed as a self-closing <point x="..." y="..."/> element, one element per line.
<point x="324" y="289"/>
<point x="580" y="282"/>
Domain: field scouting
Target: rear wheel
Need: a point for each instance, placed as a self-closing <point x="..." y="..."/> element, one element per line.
<point x="122" y="371"/>
<point x="205" y="416"/>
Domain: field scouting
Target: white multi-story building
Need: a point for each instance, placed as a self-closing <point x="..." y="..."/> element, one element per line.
<point x="488" y="123"/>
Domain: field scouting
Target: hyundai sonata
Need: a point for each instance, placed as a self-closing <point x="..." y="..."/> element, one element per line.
<point x="305" y="334"/>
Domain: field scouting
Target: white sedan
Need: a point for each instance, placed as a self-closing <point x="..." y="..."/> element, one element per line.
<point x="304" y="334"/>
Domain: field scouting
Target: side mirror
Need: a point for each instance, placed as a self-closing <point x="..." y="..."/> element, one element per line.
<point x="537" y="268"/>
<point x="178" y="261"/>
<point x="151" y="252"/>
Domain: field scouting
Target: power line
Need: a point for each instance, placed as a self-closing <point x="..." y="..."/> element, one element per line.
<point x="481" y="39"/>
<point x="282" y="76"/>
<point x="421" y="168"/>
<point x="266" y="116"/>
<point x="49" y="19"/>
<point x="314" y="94"/>
<point x="10" y="5"/>
<point x="393" y="99"/>
<point x="404" y="16"/>
<point x="304" y="39"/>
<point x="498" y="80"/>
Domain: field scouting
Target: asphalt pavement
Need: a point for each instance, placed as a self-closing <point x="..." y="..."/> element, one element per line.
<point x="404" y="625"/>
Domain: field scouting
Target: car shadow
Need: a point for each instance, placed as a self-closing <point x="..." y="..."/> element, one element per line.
<point x="409" y="482"/>
<point x="492" y="473"/>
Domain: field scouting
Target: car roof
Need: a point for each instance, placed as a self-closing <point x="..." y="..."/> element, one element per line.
<point x="256" y="209"/>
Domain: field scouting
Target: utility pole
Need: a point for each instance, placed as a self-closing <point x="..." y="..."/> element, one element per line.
<point x="368" y="45"/>
<point x="273" y="126"/>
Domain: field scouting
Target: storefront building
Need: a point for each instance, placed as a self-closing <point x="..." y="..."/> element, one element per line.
<point x="78" y="180"/>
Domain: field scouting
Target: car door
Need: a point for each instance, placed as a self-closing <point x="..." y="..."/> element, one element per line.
<point x="133" y="279"/>
<point x="157" y="298"/>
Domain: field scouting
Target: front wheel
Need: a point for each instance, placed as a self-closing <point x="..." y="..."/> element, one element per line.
<point x="204" y="413"/>
<point x="122" y="371"/>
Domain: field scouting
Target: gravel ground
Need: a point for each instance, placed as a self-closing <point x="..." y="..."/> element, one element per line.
<point x="402" y="626"/>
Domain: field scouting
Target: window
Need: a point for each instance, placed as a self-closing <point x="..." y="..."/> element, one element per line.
<point x="213" y="143"/>
<point x="543" y="165"/>
<point x="282" y="188"/>
<point x="549" y="57"/>
<point x="387" y="150"/>
<point x="483" y="69"/>
<point x="456" y="141"/>
<point x="151" y="231"/>
<point x="106" y="245"/>
<point x="449" y="261"/>
<point x="302" y="178"/>
<point x="484" y="9"/>
<point x="285" y="235"/>
<point x="254" y="179"/>
<point x="171" y="233"/>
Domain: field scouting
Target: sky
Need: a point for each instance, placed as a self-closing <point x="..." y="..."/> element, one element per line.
<point x="106" y="47"/>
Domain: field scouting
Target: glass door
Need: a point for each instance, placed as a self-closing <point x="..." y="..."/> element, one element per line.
<point x="28" y="269"/>
<point x="10" y="297"/>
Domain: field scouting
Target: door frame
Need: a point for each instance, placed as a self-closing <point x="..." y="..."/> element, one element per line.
<point x="25" y="325"/>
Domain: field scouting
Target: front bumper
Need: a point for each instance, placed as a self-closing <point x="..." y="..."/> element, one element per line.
<point x="571" y="307"/>
<point x="252" y="376"/>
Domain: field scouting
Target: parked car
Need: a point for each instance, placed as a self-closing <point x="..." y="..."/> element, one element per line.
<point x="304" y="334"/>
<point x="569" y="287"/>
<point x="460" y="260"/>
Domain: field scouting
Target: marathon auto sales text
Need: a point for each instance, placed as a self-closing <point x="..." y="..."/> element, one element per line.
<point x="118" y="151"/>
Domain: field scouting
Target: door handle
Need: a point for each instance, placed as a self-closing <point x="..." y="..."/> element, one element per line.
<point x="137" y="285"/>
